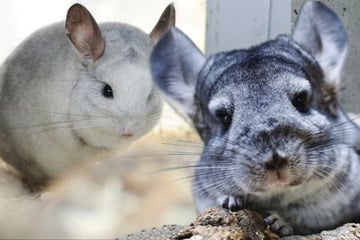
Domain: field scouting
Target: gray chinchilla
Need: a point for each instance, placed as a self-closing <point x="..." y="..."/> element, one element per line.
<point x="276" y="140"/>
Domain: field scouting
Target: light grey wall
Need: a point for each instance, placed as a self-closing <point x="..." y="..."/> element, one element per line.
<point x="235" y="24"/>
<point x="349" y="12"/>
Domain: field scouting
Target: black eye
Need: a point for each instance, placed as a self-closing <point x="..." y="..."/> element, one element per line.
<point x="225" y="117"/>
<point x="107" y="91"/>
<point x="301" y="102"/>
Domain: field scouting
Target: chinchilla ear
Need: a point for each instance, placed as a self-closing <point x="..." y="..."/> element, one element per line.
<point x="319" y="30"/>
<point x="175" y="65"/>
<point x="165" y="22"/>
<point x="84" y="33"/>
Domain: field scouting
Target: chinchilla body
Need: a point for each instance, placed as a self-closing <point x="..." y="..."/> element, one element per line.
<point x="70" y="92"/>
<point x="275" y="138"/>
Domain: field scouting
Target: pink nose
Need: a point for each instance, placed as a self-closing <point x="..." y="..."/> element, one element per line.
<point x="127" y="134"/>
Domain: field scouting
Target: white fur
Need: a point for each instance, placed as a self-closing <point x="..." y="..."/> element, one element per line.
<point x="53" y="113"/>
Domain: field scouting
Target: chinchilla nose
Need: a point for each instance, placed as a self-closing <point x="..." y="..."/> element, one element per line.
<point x="276" y="162"/>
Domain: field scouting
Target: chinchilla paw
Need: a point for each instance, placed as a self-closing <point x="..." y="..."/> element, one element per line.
<point x="277" y="224"/>
<point x="230" y="202"/>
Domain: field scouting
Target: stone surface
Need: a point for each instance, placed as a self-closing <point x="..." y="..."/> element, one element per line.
<point x="213" y="224"/>
<point x="221" y="224"/>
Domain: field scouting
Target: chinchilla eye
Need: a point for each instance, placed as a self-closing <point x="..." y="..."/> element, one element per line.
<point x="301" y="101"/>
<point x="107" y="91"/>
<point x="224" y="116"/>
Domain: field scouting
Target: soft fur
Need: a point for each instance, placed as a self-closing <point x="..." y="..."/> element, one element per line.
<point x="276" y="139"/>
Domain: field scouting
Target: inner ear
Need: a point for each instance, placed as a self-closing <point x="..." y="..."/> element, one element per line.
<point x="165" y="22"/>
<point x="84" y="32"/>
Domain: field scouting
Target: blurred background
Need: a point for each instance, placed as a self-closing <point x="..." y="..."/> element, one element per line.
<point x="147" y="194"/>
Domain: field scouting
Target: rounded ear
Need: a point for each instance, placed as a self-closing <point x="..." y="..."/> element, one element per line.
<point x="166" y="21"/>
<point x="319" y="30"/>
<point x="175" y="66"/>
<point x="84" y="33"/>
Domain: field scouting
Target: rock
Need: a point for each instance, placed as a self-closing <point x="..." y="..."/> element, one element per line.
<point x="213" y="224"/>
<point x="221" y="224"/>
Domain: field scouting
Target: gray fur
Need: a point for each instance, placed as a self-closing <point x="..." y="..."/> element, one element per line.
<point x="52" y="111"/>
<point x="264" y="149"/>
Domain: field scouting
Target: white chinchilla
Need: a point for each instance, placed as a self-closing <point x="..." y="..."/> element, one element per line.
<point x="69" y="92"/>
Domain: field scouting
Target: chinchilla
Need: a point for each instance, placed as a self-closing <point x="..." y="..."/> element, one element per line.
<point x="275" y="138"/>
<point x="74" y="89"/>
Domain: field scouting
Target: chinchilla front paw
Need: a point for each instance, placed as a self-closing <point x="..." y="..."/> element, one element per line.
<point x="278" y="224"/>
<point x="230" y="202"/>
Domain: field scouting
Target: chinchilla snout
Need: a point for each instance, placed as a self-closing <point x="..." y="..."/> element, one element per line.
<point x="276" y="147"/>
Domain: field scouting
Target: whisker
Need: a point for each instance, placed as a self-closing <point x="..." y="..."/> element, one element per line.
<point x="38" y="110"/>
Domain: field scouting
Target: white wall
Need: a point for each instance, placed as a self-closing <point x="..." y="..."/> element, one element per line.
<point x="19" y="18"/>
<point x="235" y="24"/>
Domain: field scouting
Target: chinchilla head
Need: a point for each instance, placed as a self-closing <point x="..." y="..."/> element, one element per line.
<point x="268" y="115"/>
<point x="114" y="91"/>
